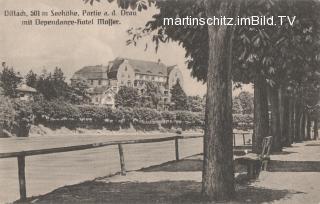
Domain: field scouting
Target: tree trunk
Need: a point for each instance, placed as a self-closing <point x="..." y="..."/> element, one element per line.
<point x="281" y="113"/>
<point x="298" y="114"/>
<point x="286" y="121"/>
<point x="275" y="119"/>
<point x="303" y="125"/>
<point x="315" y="129"/>
<point x="308" y="127"/>
<point x="261" y="115"/>
<point x="291" y="126"/>
<point x="218" y="169"/>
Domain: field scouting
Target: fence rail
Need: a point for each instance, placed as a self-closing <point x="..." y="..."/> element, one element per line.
<point x="22" y="154"/>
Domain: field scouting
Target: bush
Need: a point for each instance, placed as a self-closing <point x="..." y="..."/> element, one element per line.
<point x="7" y="114"/>
<point x="146" y="115"/>
<point x="243" y="121"/>
<point x="188" y="117"/>
<point x="168" y="116"/>
<point x="23" y="118"/>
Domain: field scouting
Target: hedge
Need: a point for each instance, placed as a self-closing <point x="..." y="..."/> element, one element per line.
<point x="15" y="116"/>
<point x="46" y="112"/>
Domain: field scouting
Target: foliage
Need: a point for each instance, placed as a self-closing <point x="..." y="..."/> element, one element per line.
<point x="7" y="113"/>
<point x="31" y="79"/>
<point x="178" y="97"/>
<point x="127" y="97"/>
<point x="15" y="116"/>
<point x="195" y="104"/>
<point x="189" y="117"/>
<point x="9" y="81"/>
<point x="77" y="92"/>
<point x="243" y="121"/>
<point x="152" y="95"/>
<point x="243" y="103"/>
<point x="23" y="118"/>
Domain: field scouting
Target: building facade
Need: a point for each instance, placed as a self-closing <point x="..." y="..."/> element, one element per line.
<point x="131" y="73"/>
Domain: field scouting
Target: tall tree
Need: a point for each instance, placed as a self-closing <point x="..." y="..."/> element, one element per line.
<point x="152" y="94"/>
<point x="9" y="80"/>
<point x="127" y="97"/>
<point x="31" y="79"/>
<point x="179" y="97"/>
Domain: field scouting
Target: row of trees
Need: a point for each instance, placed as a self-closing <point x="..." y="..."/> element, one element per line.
<point x="281" y="60"/>
<point x="153" y="98"/>
<point x="48" y="85"/>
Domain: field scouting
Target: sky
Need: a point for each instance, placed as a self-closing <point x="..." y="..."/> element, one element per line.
<point x="71" y="48"/>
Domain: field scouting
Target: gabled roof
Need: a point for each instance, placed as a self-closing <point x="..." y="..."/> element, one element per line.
<point x="100" y="90"/>
<point x="139" y="66"/>
<point x="91" y="72"/>
<point x="170" y="68"/>
<point x="25" y="88"/>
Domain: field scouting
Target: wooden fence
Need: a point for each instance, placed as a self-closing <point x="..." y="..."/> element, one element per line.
<point x="23" y="154"/>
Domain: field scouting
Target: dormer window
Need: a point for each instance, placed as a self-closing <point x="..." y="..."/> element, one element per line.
<point x="125" y="69"/>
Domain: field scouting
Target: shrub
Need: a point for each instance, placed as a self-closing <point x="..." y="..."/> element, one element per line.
<point x="23" y="118"/>
<point x="146" y="115"/>
<point x="7" y="113"/>
<point x="243" y="121"/>
<point x="168" y="116"/>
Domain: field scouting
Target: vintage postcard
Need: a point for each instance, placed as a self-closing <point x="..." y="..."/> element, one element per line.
<point x="159" y="101"/>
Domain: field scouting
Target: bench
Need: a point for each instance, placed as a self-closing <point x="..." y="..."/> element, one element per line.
<point x="256" y="162"/>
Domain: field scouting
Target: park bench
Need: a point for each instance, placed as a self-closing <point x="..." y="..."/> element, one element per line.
<point x="256" y="162"/>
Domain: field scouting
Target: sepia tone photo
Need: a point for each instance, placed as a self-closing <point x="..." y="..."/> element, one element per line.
<point x="160" y="101"/>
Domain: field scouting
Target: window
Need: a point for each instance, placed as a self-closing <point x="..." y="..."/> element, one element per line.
<point x="152" y="78"/>
<point x="126" y="69"/>
<point x="166" y="92"/>
<point x="141" y="76"/>
<point x="135" y="83"/>
<point x="121" y="82"/>
<point x="91" y="81"/>
<point x="128" y="76"/>
<point x="99" y="82"/>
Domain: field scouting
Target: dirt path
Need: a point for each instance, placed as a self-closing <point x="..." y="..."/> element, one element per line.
<point x="293" y="177"/>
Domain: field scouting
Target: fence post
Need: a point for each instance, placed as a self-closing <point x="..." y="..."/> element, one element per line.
<point x="22" y="177"/>
<point x="122" y="164"/>
<point x="234" y="139"/>
<point x="244" y="139"/>
<point x="176" y="143"/>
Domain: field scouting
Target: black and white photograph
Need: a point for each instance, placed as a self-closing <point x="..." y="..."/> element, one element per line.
<point x="159" y="101"/>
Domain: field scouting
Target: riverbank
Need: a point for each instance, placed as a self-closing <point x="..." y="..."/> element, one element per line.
<point x="293" y="177"/>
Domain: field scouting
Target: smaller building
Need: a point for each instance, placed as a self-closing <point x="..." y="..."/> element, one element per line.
<point x="102" y="96"/>
<point x="25" y="92"/>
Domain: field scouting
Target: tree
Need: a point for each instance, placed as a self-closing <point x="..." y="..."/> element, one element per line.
<point x="9" y="81"/>
<point x="245" y="100"/>
<point x="195" y="104"/>
<point x="152" y="96"/>
<point x="53" y="86"/>
<point x="31" y="79"/>
<point x="127" y="97"/>
<point x="178" y="97"/>
<point x="77" y="92"/>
